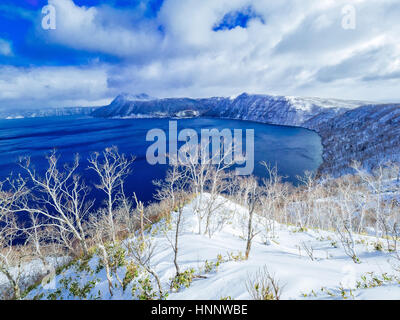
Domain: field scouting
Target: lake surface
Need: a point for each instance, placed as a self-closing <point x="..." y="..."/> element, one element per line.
<point x="293" y="150"/>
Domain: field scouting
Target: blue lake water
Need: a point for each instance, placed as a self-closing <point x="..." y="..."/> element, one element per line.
<point x="293" y="150"/>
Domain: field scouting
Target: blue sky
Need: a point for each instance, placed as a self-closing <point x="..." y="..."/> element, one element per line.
<point x="194" y="48"/>
<point x="19" y="22"/>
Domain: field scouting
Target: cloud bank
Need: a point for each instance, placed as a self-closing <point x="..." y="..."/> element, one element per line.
<point x="211" y="48"/>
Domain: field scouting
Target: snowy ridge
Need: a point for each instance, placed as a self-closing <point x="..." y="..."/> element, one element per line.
<point x="124" y="97"/>
<point x="281" y="110"/>
<point x="323" y="277"/>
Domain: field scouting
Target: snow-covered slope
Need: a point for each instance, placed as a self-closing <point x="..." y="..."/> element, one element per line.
<point x="32" y="271"/>
<point x="368" y="134"/>
<point x="281" y="110"/>
<point x="329" y="275"/>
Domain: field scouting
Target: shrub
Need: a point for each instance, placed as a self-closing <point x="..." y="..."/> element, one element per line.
<point x="184" y="279"/>
<point x="144" y="290"/>
<point x="132" y="272"/>
<point x="263" y="286"/>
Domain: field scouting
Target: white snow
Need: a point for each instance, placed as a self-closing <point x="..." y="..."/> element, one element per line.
<point x="32" y="270"/>
<point x="301" y="277"/>
<point x="306" y="103"/>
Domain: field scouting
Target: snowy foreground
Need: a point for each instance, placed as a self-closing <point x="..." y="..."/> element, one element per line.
<point x="327" y="274"/>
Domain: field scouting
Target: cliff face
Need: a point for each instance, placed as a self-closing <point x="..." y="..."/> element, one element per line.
<point x="350" y="130"/>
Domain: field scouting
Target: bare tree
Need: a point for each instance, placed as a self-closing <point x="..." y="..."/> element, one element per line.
<point x="38" y="236"/>
<point x="112" y="170"/>
<point x="395" y="239"/>
<point x="172" y="191"/>
<point x="215" y="213"/>
<point x="345" y="235"/>
<point x="142" y="250"/>
<point x="198" y="174"/>
<point x="124" y="216"/>
<point x="12" y="193"/>
<point x="249" y="195"/>
<point x="375" y="182"/>
<point x="308" y="249"/>
<point x="272" y="202"/>
<point x="177" y="221"/>
<point x="140" y="211"/>
<point x="111" y="255"/>
<point x="13" y="257"/>
<point x="207" y="173"/>
<point x="344" y="216"/>
<point x="307" y="204"/>
<point x="61" y="197"/>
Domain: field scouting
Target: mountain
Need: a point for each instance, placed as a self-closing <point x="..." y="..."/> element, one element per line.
<point x="128" y="106"/>
<point x="350" y="130"/>
<point x="263" y="108"/>
<point x="47" y="112"/>
<point x="124" y="97"/>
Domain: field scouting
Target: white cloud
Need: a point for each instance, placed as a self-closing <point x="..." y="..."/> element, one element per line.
<point x="300" y="49"/>
<point x="5" y="48"/>
<point x="53" y="87"/>
<point x="100" y="29"/>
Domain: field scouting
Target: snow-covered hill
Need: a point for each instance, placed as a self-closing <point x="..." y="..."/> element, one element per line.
<point x="220" y="273"/>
